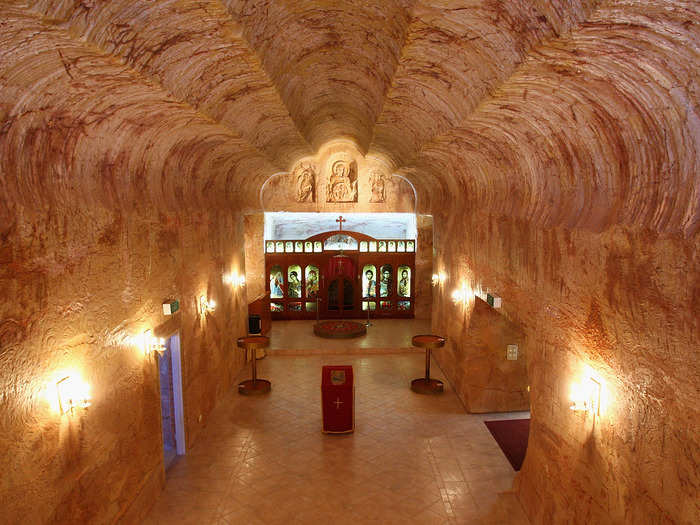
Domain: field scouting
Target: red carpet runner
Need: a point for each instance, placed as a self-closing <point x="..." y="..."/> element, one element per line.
<point x="511" y="435"/>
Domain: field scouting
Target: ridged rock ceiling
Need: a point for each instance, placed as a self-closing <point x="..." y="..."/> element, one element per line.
<point x="575" y="113"/>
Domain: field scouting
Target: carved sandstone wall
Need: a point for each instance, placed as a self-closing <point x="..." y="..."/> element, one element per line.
<point x="620" y="306"/>
<point x="76" y="285"/>
<point x="554" y="141"/>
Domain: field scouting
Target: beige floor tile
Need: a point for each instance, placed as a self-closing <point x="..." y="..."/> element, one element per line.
<point x="411" y="459"/>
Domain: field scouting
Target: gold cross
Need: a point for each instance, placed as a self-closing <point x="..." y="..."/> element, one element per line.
<point x="340" y="221"/>
<point x="337" y="403"/>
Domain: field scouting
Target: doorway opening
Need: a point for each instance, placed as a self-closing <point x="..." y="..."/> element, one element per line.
<point x="172" y="415"/>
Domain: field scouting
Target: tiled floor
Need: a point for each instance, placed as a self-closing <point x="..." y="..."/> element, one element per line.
<point x="412" y="458"/>
<point x="384" y="336"/>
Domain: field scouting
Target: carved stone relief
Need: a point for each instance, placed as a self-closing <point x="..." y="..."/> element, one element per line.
<point x="377" y="184"/>
<point x="342" y="179"/>
<point x="305" y="177"/>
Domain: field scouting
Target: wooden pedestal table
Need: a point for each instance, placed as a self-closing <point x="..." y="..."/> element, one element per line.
<point x="426" y="385"/>
<point x="254" y="386"/>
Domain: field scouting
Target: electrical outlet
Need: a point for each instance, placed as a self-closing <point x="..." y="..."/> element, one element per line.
<point x="512" y="353"/>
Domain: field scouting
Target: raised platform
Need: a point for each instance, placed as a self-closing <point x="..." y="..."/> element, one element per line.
<point x="339" y="329"/>
<point x="385" y="336"/>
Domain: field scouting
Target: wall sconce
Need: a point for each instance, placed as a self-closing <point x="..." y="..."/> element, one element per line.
<point x="72" y="393"/>
<point x="461" y="295"/>
<point x="235" y="280"/>
<point x="586" y="397"/>
<point x="438" y="278"/>
<point x="206" y="305"/>
<point x="151" y="344"/>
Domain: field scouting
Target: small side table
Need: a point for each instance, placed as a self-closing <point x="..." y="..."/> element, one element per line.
<point x="254" y="386"/>
<point x="426" y="385"/>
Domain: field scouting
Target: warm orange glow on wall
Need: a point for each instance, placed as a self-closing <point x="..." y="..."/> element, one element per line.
<point x="206" y="305"/>
<point x="71" y="393"/>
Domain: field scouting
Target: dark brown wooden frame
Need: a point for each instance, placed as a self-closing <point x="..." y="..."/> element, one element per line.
<point x="360" y="259"/>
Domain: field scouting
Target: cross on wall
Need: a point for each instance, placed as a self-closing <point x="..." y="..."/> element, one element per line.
<point x="337" y="403"/>
<point x="340" y="221"/>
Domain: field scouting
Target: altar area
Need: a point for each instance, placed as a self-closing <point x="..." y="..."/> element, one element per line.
<point x="385" y="336"/>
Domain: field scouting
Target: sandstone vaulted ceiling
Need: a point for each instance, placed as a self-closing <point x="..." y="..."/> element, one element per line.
<point x="563" y="112"/>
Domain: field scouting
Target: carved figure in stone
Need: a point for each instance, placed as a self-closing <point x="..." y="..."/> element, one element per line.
<point x="342" y="182"/>
<point x="377" y="186"/>
<point x="305" y="176"/>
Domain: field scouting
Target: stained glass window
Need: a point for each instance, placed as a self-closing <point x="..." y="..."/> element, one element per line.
<point x="372" y="246"/>
<point x="369" y="281"/>
<point x="318" y="246"/>
<point x="372" y="305"/>
<point x="363" y="246"/>
<point x="276" y="283"/>
<point x="310" y="307"/>
<point x="298" y="246"/>
<point x="385" y="280"/>
<point x="270" y="247"/>
<point x="308" y="246"/>
<point x="311" y="278"/>
<point x="279" y="247"/>
<point x="381" y="246"/>
<point x="404" y="281"/>
<point x="404" y="305"/>
<point x="294" y="307"/>
<point x="410" y="246"/>
<point x="391" y="246"/>
<point x="289" y="246"/>
<point x="385" y="305"/>
<point x="276" y="307"/>
<point x="294" y="281"/>
<point x="401" y="246"/>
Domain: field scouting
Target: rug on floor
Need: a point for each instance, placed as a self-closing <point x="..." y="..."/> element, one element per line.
<point x="511" y="435"/>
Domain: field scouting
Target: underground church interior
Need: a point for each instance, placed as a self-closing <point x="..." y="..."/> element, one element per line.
<point x="333" y="261"/>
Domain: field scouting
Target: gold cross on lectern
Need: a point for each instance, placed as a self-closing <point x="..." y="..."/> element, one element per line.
<point x="340" y="221"/>
<point x="337" y="403"/>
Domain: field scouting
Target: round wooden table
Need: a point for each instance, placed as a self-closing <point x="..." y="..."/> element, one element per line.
<point x="254" y="386"/>
<point x="426" y="385"/>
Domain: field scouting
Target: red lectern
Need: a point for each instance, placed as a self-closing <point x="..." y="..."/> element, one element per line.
<point x="337" y="399"/>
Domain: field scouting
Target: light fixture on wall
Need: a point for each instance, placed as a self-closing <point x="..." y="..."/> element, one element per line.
<point x="234" y="280"/>
<point x="438" y="278"/>
<point x="72" y="393"/>
<point x="151" y="344"/>
<point x="206" y="305"/>
<point x="461" y="295"/>
<point x="585" y="397"/>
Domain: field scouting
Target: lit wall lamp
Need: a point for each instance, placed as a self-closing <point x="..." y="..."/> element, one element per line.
<point x="206" y="305"/>
<point x="73" y="393"/>
<point x="438" y="278"/>
<point x="235" y="280"/>
<point x="461" y="295"/>
<point x="151" y="343"/>
<point x="586" y="397"/>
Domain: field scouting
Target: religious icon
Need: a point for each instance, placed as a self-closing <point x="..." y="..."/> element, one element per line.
<point x="404" y="287"/>
<point x="276" y="282"/>
<point x="270" y="247"/>
<point x="294" y="284"/>
<point x="382" y="246"/>
<point x="376" y="184"/>
<point x="342" y="181"/>
<point x="338" y="377"/>
<point x="305" y="175"/>
<point x="369" y="283"/>
<point x="311" y="282"/>
<point x="385" y="282"/>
